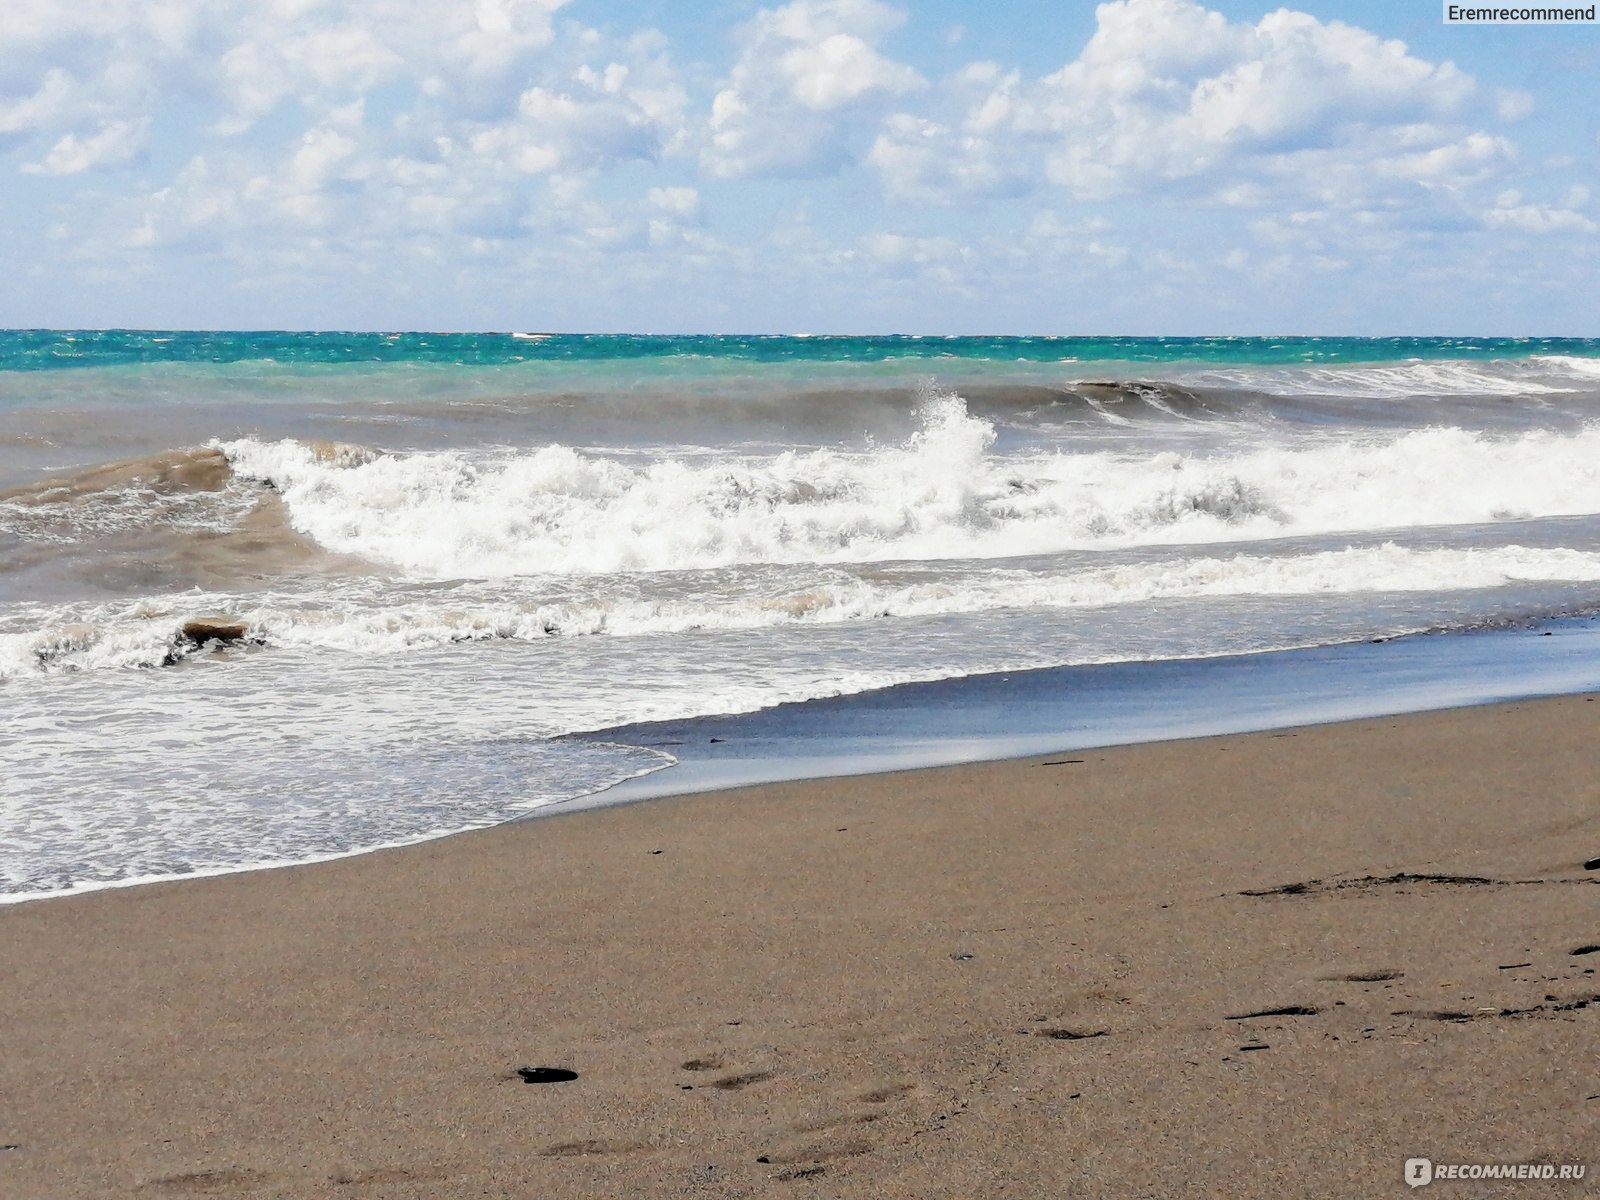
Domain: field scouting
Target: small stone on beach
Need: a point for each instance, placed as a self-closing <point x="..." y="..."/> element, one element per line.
<point x="546" y="1074"/>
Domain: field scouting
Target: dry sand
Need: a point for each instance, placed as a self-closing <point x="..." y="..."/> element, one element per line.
<point x="1022" y="979"/>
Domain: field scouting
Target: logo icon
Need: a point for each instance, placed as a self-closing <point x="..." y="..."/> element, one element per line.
<point x="1419" y="1172"/>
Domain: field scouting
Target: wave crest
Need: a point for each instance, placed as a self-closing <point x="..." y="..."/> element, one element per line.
<point x="942" y="493"/>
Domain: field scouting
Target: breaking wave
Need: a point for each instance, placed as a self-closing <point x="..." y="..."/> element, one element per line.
<point x="942" y="493"/>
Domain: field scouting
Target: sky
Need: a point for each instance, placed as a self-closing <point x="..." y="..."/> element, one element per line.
<point x="828" y="166"/>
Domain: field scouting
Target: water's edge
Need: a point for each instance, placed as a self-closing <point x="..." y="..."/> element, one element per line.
<point x="1059" y="709"/>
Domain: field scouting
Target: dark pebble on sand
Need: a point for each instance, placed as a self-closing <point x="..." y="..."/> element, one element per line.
<point x="963" y="956"/>
<point x="546" y="1074"/>
<point x="1592" y="865"/>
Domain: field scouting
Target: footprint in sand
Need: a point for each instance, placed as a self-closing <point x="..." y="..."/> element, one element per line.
<point x="589" y="1146"/>
<point x="1288" y="1010"/>
<point x="207" y="1182"/>
<point x="889" y="1091"/>
<point x="732" y="1083"/>
<point x="805" y="1149"/>
<point x="813" y="1152"/>
<point x="802" y="1172"/>
<point x="373" y="1176"/>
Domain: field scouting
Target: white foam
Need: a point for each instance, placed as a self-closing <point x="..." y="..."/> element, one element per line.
<point x="1540" y="375"/>
<point x="1380" y="569"/>
<point x="1574" y="365"/>
<point x="356" y="621"/>
<point x="941" y="494"/>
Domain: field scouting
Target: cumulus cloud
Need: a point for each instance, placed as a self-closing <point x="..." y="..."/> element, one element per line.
<point x="459" y="140"/>
<point x="113" y="144"/>
<point x="1171" y="97"/>
<point x="85" y="80"/>
<point x="304" y="118"/>
<point x="806" y="73"/>
<point x="468" y="54"/>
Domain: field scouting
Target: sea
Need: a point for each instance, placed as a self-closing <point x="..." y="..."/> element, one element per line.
<point x="270" y="598"/>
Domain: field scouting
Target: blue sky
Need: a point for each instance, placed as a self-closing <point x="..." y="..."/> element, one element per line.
<point x="1141" y="166"/>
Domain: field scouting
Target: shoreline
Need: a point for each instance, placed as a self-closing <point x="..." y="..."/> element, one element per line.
<point x="1001" y="716"/>
<point x="1260" y="963"/>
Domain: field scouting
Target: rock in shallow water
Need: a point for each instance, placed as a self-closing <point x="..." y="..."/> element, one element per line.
<point x="217" y="629"/>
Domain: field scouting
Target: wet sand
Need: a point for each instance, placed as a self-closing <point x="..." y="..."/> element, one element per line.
<point x="1260" y="965"/>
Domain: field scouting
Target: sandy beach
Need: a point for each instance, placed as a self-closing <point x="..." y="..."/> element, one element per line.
<point x="1263" y="965"/>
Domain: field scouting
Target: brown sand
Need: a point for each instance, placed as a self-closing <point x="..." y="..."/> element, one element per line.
<point x="1023" y="979"/>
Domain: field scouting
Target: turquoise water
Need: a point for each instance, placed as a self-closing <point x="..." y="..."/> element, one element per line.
<point x="24" y="350"/>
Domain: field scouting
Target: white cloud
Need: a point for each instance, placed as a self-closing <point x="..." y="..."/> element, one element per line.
<point x="1169" y="97"/>
<point x="1466" y="160"/>
<point x="388" y="118"/>
<point x="468" y="54"/>
<point x="116" y="143"/>
<point x="899" y="250"/>
<point x="1509" y="212"/>
<point x="190" y="211"/>
<point x="806" y="71"/>
<point x="926" y="161"/>
<point x="95" y="61"/>
<point x="680" y="202"/>
<point x="51" y="99"/>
